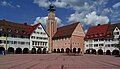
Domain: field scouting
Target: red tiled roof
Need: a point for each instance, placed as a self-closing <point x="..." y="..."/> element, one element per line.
<point x="97" y="31"/>
<point x="65" y="31"/>
<point x="16" y="28"/>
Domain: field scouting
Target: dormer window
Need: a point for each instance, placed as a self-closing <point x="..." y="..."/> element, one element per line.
<point x="23" y="31"/>
<point x="87" y="37"/>
<point x="101" y="34"/>
<point x="108" y="35"/>
<point x="92" y="35"/>
<point x="9" y="30"/>
<point x="17" y="31"/>
<point x="1" y="29"/>
<point x="96" y="35"/>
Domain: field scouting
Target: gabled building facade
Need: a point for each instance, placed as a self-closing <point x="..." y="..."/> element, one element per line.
<point x="102" y="39"/>
<point x="18" y="38"/>
<point x="39" y="39"/>
<point x="69" y="38"/>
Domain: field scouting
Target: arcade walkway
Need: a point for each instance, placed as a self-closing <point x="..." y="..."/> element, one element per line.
<point x="57" y="61"/>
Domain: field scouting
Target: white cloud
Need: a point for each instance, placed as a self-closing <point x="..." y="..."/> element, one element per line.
<point x="42" y="3"/>
<point x="115" y="15"/>
<point x="91" y="13"/>
<point x="77" y="5"/>
<point x="116" y="5"/>
<point x="43" y="20"/>
<point x="18" y="6"/>
<point x="88" y="19"/>
<point x="8" y="4"/>
<point x="106" y="11"/>
<point x="38" y="20"/>
<point x="84" y="8"/>
<point x="94" y="19"/>
<point x="75" y="17"/>
<point x="60" y="4"/>
<point x="59" y="21"/>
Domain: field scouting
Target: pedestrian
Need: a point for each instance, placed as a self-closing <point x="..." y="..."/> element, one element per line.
<point x="2" y="52"/>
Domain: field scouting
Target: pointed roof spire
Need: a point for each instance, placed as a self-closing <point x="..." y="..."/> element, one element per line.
<point x="51" y="7"/>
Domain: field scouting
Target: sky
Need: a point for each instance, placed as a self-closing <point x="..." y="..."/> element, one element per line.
<point x="87" y="12"/>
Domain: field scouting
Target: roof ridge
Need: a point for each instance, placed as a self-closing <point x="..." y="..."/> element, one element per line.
<point x="65" y="31"/>
<point x="98" y="26"/>
<point x="15" y="26"/>
<point x="10" y="22"/>
<point x="70" y="24"/>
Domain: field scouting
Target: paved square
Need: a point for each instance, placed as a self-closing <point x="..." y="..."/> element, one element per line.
<point x="57" y="61"/>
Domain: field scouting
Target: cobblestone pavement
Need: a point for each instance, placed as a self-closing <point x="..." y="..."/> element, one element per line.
<point x="55" y="61"/>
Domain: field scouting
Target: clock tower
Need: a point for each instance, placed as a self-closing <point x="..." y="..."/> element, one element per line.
<point x="51" y="25"/>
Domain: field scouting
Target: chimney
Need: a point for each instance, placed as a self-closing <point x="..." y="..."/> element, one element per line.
<point x="25" y="23"/>
<point x="4" y="20"/>
<point x="109" y="22"/>
<point x="98" y="24"/>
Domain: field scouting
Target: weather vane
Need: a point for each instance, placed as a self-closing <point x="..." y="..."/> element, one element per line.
<point x="51" y="7"/>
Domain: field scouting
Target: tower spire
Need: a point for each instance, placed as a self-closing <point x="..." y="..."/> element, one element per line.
<point x="51" y="8"/>
<point x="51" y="25"/>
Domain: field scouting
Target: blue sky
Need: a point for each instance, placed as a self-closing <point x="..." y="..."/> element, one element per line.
<point x="88" y="12"/>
